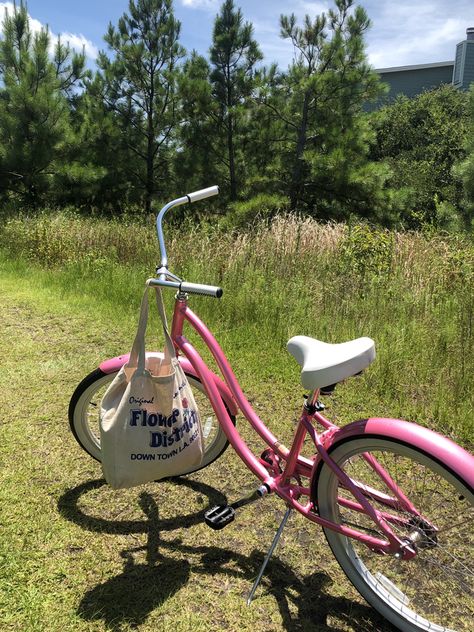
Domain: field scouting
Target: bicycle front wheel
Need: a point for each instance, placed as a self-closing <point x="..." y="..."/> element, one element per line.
<point x="435" y="590"/>
<point x="84" y="410"/>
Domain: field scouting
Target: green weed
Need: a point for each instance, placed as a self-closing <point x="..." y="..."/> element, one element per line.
<point x="412" y="292"/>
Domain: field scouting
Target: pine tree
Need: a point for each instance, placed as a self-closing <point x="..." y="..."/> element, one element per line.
<point x="140" y="86"/>
<point x="196" y="156"/>
<point x="234" y="54"/>
<point x="101" y="175"/>
<point x="35" y="131"/>
<point x="318" y="105"/>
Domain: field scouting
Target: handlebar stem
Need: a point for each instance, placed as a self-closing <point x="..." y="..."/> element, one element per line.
<point x="190" y="197"/>
<point x="159" y="227"/>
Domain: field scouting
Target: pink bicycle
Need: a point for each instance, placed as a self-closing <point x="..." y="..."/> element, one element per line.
<point x="395" y="500"/>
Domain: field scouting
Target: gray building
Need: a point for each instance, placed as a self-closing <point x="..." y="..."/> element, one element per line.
<point x="412" y="80"/>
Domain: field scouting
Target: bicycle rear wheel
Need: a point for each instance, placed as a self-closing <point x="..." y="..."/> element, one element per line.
<point x="435" y="590"/>
<point x="84" y="409"/>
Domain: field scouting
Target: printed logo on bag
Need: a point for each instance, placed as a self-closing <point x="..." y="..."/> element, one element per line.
<point x="171" y="433"/>
<point x="140" y="400"/>
<point x="141" y="417"/>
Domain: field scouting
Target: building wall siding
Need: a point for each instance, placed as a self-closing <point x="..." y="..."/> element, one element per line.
<point x="468" y="74"/>
<point x="413" y="82"/>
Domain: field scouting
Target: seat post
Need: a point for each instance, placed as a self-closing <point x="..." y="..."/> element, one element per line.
<point x="312" y="399"/>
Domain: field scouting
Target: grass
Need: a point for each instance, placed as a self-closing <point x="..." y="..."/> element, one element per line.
<point x="78" y="556"/>
<point x="412" y="293"/>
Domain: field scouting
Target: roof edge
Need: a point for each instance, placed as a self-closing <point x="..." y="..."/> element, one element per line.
<point x="438" y="64"/>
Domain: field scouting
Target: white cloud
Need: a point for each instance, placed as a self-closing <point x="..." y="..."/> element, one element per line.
<point x="418" y="45"/>
<point x="402" y="33"/>
<point x="405" y="33"/>
<point x="77" y="42"/>
<point x="313" y="8"/>
<point x="201" y="4"/>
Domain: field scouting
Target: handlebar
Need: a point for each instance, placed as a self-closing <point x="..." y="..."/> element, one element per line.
<point x="191" y="288"/>
<point x="203" y="194"/>
<point x="190" y="197"/>
<point x="188" y="288"/>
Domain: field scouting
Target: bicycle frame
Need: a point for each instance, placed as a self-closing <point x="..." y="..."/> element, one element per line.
<point x="287" y="484"/>
<point x="338" y="478"/>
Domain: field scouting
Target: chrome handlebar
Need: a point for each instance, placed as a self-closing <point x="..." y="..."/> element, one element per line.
<point x="188" y="288"/>
<point x="162" y="271"/>
<point x="202" y="194"/>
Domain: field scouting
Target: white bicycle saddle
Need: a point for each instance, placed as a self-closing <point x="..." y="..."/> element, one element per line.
<point x="323" y="364"/>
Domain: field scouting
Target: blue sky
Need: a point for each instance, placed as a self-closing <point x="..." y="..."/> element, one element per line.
<point x="403" y="32"/>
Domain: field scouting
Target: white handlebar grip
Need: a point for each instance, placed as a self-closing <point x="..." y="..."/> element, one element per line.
<point x="203" y="193"/>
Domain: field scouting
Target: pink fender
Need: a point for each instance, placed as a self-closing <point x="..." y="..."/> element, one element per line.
<point x="441" y="448"/>
<point x="114" y="364"/>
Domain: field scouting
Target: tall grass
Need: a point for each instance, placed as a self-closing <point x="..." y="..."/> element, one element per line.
<point x="411" y="292"/>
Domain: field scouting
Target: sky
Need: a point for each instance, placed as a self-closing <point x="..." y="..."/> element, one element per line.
<point x="403" y="32"/>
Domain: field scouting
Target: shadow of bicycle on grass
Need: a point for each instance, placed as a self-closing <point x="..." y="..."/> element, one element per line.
<point x="127" y="599"/>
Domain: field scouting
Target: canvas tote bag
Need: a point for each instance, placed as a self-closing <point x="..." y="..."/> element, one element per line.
<point x="149" y="421"/>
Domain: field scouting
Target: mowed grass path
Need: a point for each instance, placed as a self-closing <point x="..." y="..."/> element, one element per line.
<point x="76" y="555"/>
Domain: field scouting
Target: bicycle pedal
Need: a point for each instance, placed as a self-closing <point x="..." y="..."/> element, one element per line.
<point x="219" y="517"/>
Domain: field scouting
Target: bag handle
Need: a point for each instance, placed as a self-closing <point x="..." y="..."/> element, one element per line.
<point x="169" y="346"/>
<point x="137" y="354"/>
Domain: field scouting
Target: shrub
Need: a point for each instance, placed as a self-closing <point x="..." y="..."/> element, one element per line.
<point x="261" y="207"/>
